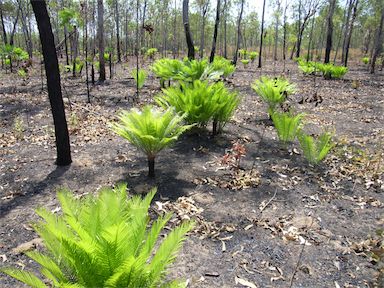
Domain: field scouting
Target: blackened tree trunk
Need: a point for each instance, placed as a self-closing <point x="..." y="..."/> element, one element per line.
<point x="378" y="43"/>
<point x="349" y="35"/>
<point x="225" y="28"/>
<point x="204" y="11"/>
<point x="346" y="27"/>
<point x="11" y="38"/>
<point x="217" y="21"/>
<point x="188" y="35"/>
<point x="74" y="50"/>
<point x="26" y="30"/>
<point x="261" y="35"/>
<point x="285" y="34"/>
<point x="117" y="31"/>
<point x="100" y="32"/>
<point x="277" y="19"/>
<point x="234" y="61"/>
<point x="53" y="82"/>
<point x="328" y="46"/>
<point x="2" y="24"/>
<point x="309" y="54"/>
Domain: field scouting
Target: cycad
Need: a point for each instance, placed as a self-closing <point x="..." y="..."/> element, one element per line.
<point x="227" y="103"/>
<point x="150" y="130"/>
<point x="287" y="125"/>
<point x="139" y="77"/>
<point x="273" y="91"/>
<point x="195" y="100"/>
<point x="224" y="65"/>
<point x="103" y="241"/>
<point x="315" y="150"/>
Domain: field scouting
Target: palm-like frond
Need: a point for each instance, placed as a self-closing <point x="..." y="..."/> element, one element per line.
<point x="287" y="125"/>
<point x="121" y="253"/>
<point x="139" y="77"/>
<point x="315" y="150"/>
<point x="273" y="91"/>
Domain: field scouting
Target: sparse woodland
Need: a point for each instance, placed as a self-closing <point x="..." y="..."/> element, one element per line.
<point x="177" y="143"/>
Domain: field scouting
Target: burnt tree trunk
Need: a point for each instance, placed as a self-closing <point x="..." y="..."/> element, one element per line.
<point x="349" y="35"/>
<point x="188" y="35"/>
<point x="225" y="29"/>
<point x="261" y="35"/>
<point x="217" y="21"/>
<point x="202" y="36"/>
<point x="378" y="43"/>
<point x="117" y="31"/>
<point x="2" y="24"/>
<point x="53" y="82"/>
<point x="328" y="46"/>
<point x="100" y="34"/>
<point x="234" y="61"/>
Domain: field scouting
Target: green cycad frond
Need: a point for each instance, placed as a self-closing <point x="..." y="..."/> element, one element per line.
<point x="121" y="254"/>
<point x="25" y="277"/>
<point x="273" y="91"/>
<point x="139" y="77"/>
<point x="224" y="65"/>
<point x="150" y="130"/>
<point x="195" y="100"/>
<point x="287" y="125"/>
<point x="315" y="150"/>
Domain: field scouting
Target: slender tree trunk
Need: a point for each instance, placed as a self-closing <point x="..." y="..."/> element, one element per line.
<point x="174" y="31"/>
<point x="261" y="35"/>
<point x="234" y="61"/>
<point x="276" y="30"/>
<point x="328" y="46"/>
<point x="100" y="32"/>
<point x="74" y="49"/>
<point x="143" y="23"/>
<point x="348" y="40"/>
<point x="285" y="34"/>
<point x="202" y="36"/>
<point x="225" y="29"/>
<point x="151" y="166"/>
<point x="340" y="36"/>
<point x="86" y="50"/>
<point x="2" y="24"/>
<point x="188" y="35"/>
<point x="309" y="54"/>
<point x="53" y="82"/>
<point x="14" y="28"/>
<point x="217" y="21"/>
<point x="346" y="30"/>
<point x="137" y="49"/>
<point x="378" y="43"/>
<point x="126" y="33"/>
<point x="27" y="35"/>
<point x="117" y="31"/>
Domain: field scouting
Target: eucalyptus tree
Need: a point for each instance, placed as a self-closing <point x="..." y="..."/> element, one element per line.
<point x="261" y="35"/>
<point x="331" y="11"/>
<point x="276" y="16"/>
<point x="217" y="20"/>
<point x="203" y="7"/>
<point x="238" y="39"/>
<point x="187" y="30"/>
<point x="53" y="82"/>
<point x="100" y="35"/>
<point x="352" y="13"/>
<point x="378" y="44"/>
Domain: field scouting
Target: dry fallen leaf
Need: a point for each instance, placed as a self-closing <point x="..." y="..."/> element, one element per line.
<point x="244" y="282"/>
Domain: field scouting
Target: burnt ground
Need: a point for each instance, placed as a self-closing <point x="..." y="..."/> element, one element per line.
<point x="275" y="221"/>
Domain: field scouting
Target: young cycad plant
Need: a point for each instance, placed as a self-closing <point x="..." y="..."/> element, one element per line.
<point x="142" y="74"/>
<point x="103" y="241"/>
<point x="273" y="91"/>
<point x="315" y="150"/>
<point x="287" y="125"/>
<point x="253" y="55"/>
<point x="224" y="65"/>
<point x="245" y="62"/>
<point x="150" y="130"/>
<point x="195" y="100"/>
<point x="227" y="103"/>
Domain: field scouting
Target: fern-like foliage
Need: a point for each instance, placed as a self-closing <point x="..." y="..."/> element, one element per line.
<point x="150" y="130"/>
<point x="287" y="125"/>
<point x="151" y="52"/>
<point x="224" y="65"/>
<point x="103" y="241"/>
<point x="273" y="91"/>
<point x="245" y="62"/>
<point x="365" y="60"/>
<point x="227" y="103"/>
<point x="139" y="77"/>
<point x="253" y="55"/>
<point x="315" y="150"/>
<point x="196" y="100"/>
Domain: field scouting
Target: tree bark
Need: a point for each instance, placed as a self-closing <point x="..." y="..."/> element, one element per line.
<point x="117" y="31"/>
<point x="278" y="4"/>
<point x="328" y="46"/>
<point x="285" y="33"/>
<point x="53" y="82"/>
<point x="378" y="43"/>
<point x="234" y="61"/>
<point x="188" y="35"/>
<point x="202" y="36"/>
<point x="349" y="35"/>
<point x="100" y="32"/>
<point x="350" y="6"/>
<point x="217" y="21"/>
<point x="11" y="38"/>
<point x="261" y="35"/>
<point x="225" y="28"/>
<point x="27" y="35"/>
<point x="2" y="24"/>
